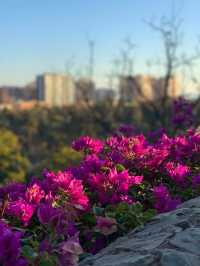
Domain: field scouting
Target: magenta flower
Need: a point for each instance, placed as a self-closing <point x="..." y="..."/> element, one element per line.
<point x="126" y="168"/>
<point x="71" y="187"/>
<point x="160" y="191"/>
<point x="13" y="191"/>
<point x="69" y="252"/>
<point x="106" y="225"/>
<point x="177" y="172"/>
<point x="163" y="201"/>
<point x="34" y="193"/>
<point x="46" y="213"/>
<point x="182" y="113"/>
<point x="126" y="130"/>
<point x="86" y="143"/>
<point x="195" y="181"/>
<point x="111" y="187"/>
<point x="112" y="142"/>
<point x="10" y="247"/>
<point x="21" y="209"/>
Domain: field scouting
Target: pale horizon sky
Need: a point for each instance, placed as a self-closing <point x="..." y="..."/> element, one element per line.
<point x="42" y="35"/>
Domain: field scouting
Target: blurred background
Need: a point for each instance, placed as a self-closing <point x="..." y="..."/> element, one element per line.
<point x="71" y="67"/>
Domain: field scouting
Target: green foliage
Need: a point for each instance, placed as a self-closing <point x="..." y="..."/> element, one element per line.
<point x="65" y="157"/>
<point x="38" y="258"/>
<point x="129" y="216"/>
<point x="88" y="219"/>
<point x="120" y="167"/>
<point x="59" y="160"/>
<point x="47" y="260"/>
<point x="29" y="253"/>
<point x="13" y="165"/>
<point x="43" y="132"/>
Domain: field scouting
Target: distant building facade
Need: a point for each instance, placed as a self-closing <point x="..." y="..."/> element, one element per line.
<point x="55" y="89"/>
<point x="13" y="94"/>
<point x="103" y="94"/>
<point x="85" y="91"/>
<point x="141" y="88"/>
<point x="25" y="105"/>
<point x="174" y="89"/>
<point x="5" y="96"/>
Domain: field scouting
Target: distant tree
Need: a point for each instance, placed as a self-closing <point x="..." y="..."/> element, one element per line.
<point x="13" y="165"/>
<point x="59" y="160"/>
<point x="173" y="60"/>
<point x="85" y="91"/>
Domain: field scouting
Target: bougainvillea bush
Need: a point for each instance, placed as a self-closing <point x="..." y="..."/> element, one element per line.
<point x="59" y="217"/>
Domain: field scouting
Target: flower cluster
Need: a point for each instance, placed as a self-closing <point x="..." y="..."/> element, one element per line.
<point x="54" y="202"/>
<point x="119" y="183"/>
<point x="113" y="187"/>
<point x="87" y="144"/>
<point x="182" y="113"/>
<point x="163" y="201"/>
<point x="10" y="247"/>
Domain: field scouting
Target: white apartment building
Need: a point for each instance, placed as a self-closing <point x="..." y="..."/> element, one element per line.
<point x="55" y="89"/>
<point x="142" y="88"/>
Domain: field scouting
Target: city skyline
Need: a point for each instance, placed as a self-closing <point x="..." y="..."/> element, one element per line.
<point x="44" y="36"/>
<point x="58" y="90"/>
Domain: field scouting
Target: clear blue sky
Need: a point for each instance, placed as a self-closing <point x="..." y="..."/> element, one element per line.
<point x="41" y="35"/>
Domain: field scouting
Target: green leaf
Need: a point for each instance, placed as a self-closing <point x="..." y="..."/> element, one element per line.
<point x="120" y="167"/>
<point x="89" y="219"/>
<point x="46" y="260"/>
<point x="28" y="252"/>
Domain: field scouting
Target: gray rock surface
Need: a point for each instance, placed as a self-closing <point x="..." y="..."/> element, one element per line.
<point x="170" y="239"/>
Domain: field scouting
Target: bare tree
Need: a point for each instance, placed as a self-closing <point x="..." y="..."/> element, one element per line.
<point x="91" y="46"/>
<point x="169" y="29"/>
<point x="127" y="57"/>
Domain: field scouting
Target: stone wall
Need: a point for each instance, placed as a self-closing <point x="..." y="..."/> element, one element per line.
<point x="170" y="239"/>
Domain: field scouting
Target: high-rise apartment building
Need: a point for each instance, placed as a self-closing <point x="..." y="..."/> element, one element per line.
<point x="144" y="88"/>
<point x="55" y="89"/>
